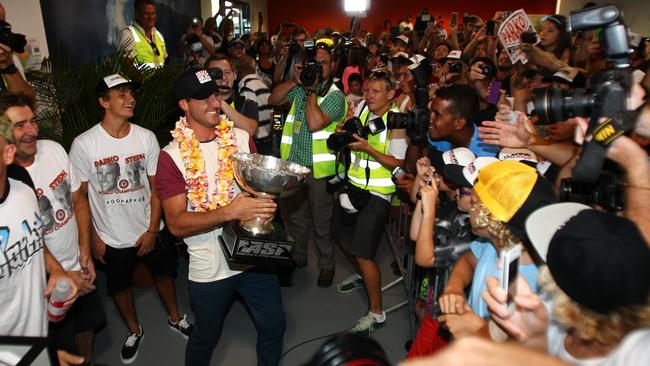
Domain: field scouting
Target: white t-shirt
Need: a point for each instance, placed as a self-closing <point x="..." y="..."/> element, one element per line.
<point x="207" y="260"/>
<point x="22" y="264"/>
<point x="55" y="180"/>
<point x="118" y="187"/>
<point x="634" y="349"/>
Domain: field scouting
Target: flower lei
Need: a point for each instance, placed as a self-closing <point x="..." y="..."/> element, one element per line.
<point x="196" y="177"/>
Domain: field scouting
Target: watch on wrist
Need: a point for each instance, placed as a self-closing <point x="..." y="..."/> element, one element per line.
<point x="309" y="92"/>
<point x="11" y="69"/>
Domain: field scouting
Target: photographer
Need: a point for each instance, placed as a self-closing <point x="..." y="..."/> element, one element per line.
<point x="360" y="216"/>
<point x="293" y="50"/>
<point x="196" y="45"/>
<point x="12" y="74"/>
<point x="243" y="112"/>
<point x="317" y="106"/>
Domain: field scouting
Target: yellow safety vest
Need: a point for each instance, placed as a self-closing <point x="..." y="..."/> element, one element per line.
<point x="379" y="179"/>
<point x="144" y="52"/>
<point x="323" y="160"/>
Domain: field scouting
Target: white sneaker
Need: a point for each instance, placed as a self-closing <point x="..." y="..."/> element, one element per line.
<point x="367" y="324"/>
<point x="350" y="283"/>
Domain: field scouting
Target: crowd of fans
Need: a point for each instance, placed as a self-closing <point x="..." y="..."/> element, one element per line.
<point x="486" y="175"/>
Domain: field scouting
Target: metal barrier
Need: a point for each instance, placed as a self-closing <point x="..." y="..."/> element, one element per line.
<point x="403" y="248"/>
<point x="447" y="251"/>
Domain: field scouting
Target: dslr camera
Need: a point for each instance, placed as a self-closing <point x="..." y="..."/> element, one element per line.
<point x="15" y="41"/>
<point x="415" y="121"/>
<point x="311" y="69"/>
<point x="339" y="141"/>
<point x="607" y="192"/>
<point x="456" y="67"/>
<point x="607" y="96"/>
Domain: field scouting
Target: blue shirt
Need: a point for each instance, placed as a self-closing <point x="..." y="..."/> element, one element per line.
<point x="476" y="145"/>
<point x="488" y="260"/>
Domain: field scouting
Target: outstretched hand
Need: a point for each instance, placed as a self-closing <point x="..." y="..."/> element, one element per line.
<point x="506" y="134"/>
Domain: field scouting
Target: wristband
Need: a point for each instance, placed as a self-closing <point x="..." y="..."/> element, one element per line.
<point x="11" y="69"/>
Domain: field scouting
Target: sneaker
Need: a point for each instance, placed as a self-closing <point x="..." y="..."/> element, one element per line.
<point x="130" y="348"/>
<point x="350" y="283"/>
<point x="367" y="324"/>
<point x="182" y="326"/>
<point x="325" y="277"/>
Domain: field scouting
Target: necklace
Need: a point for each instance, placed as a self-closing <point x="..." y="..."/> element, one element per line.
<point x="196" y="177"/>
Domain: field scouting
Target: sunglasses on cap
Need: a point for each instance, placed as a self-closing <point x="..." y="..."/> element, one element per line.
<point x="381" y="75"/>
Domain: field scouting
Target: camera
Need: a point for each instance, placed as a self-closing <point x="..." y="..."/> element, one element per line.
<point x="529" y="37"/>
<point x="15" y="41"/>
<point x="339" y="141"/>
<point x="194" y="43"/>
<point x="311" y="69"/>
<point x="456" y="67"/>
<point x="557" y="104"/>
<point x="215" y="73"/>
<point x="606" y="192"/>
<point x="609" y="91"/>
<point x="415" y="121"/>
<point x="487" y="70"/>
<point x="294" y="47"/>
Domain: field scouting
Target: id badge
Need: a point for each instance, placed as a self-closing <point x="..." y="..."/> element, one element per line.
<point x="296" y="127"/>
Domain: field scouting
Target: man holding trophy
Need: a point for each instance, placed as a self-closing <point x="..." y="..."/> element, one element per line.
<point x="196" y="184"/>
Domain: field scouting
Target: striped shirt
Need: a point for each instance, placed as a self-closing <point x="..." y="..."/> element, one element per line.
<point x="252" y="88"/>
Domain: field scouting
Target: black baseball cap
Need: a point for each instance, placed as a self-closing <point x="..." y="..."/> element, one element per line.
<point x="600" y="260"/>
<point x="114" y="81"/>
<point x="195" y="84"/>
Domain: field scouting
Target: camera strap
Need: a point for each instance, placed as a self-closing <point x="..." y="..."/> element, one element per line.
<point x="367" y="170"/>
<point x="594" y="152"/>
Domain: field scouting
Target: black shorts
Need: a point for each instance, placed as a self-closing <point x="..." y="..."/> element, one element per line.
<point x="361" y="230"/>
<point x="162" y="261"/>
<point x="86" y="314"/>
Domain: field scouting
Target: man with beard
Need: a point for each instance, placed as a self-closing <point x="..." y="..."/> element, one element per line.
<point x="196" y="210"/>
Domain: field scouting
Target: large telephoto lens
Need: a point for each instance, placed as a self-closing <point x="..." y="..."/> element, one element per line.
<point x="557" y="105"/>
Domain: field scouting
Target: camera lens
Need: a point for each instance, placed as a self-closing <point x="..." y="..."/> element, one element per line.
<point x="556" y="104"/>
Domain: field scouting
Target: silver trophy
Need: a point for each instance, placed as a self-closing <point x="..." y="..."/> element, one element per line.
<point x="266" y="177"/>
<point x="259" y="241"/>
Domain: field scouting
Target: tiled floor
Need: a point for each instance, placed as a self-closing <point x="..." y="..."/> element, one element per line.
<point x="311" y="312"/>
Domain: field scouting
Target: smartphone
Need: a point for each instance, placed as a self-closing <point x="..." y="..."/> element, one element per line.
<point x="398" y="173"/>
<point x="509" y="259"/>
<point x="454" y="19"/>
<point x="489" y="28"/>
<point x="494" y="92"/>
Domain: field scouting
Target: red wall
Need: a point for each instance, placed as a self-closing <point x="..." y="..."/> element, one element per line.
<point x="317" y="14"/>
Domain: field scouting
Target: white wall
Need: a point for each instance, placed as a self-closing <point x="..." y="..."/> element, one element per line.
<point x="636" y="13"/>
<point x="25" y="17"/>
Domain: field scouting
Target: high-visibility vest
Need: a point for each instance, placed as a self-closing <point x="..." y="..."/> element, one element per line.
<point x="323" y="161"/>
<point x="144" y="52"/>
<point x="379" y="178"/>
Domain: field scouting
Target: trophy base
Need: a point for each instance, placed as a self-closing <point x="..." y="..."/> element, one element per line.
<point x="242" y="248"/>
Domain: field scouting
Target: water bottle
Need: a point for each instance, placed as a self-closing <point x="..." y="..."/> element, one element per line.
<point x="55" y="310"/>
